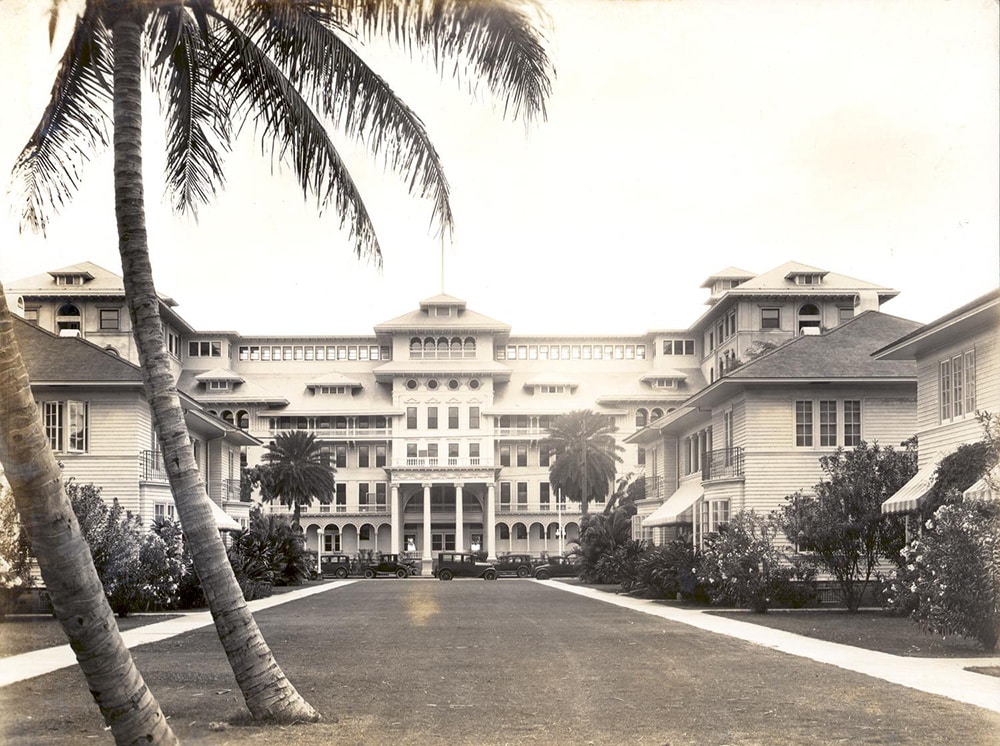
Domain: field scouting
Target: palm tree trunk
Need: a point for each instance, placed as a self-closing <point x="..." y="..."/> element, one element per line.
<point x="125" y="701"/>
<point x="268" y="693"/>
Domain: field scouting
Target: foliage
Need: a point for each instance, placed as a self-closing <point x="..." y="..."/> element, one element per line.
<point x="955" y="474"/>
<point x="296" y="470"/>
<point x="841" y="526"/>
<point x="138" y="570"/>
<point x="585" y="453"/>
<point x="740" y="564"/>
<point x="950" y="577"/>
<point x="15" y="559"/>
<point x="666" y="571"/>
<point x="270" y="542"/>
<point x="605" y="546"/>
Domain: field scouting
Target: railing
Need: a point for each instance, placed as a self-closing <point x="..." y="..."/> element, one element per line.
<point x="439" y="354"/>
<point x="521" y="431"/>
<point x="151" y="466"/>
<point x="726" y="463"/>
<point x="343" y="433"/>
<point x="655" y="486"/>
<point x="231" y="489"/>
<point x="454" y="461"/>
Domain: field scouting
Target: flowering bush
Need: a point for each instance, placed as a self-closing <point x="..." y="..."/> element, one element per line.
<point x="740" y="565"/>
<point x="668" y="570"/>
<point x="15" y="563"/>
<point x="950" y="577"/>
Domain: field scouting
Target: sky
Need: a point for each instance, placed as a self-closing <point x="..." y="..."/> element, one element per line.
<point x="683" y="137"/>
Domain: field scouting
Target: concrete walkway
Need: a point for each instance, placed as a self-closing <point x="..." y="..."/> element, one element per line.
<point x="39" y="662"/>
<point x="942" y="676"/>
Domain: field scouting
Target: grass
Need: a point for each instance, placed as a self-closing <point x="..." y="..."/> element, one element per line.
<point x="23" y="633"/>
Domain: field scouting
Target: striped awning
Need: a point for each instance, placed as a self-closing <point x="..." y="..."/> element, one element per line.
<point x="223" y="520"/>
<point x="911" y="494"/>
<point x="675" y="505"/>
<point x="982" y="490"/>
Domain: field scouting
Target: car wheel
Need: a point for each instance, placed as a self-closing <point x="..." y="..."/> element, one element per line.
<point x="445" y="575"/>
<point x="369" y="573"/>
<point x="401" y="572"/>
<point x="543" y="575"/>
<point x="523" y="572"/>
<point x="341" y="572"/>
<point x="490" y="575"/>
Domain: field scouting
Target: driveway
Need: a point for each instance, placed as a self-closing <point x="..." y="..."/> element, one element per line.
<point x="419" y="661"/>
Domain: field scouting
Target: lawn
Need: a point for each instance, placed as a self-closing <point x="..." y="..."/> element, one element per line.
<point x="871" y="629"/>
<point x="22" y="633"/>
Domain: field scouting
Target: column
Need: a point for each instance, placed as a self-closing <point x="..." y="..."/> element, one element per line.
<point x="395" y="522"/>
<point x="319" y="552"/>
<point x="459" y="520"/>
<point x="491" y="521"/>
<point x="426" y="554"/>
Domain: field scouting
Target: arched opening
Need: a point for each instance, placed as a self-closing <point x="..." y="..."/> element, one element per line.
<point x="655" y="414"/>
<point x="809" y="317"/>
<point x="68" y="317"/>
<point x="641" y="418"/>
<point x="243" y="419"/>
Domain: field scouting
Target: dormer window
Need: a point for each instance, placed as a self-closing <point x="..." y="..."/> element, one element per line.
<point x="442" y="310"/>
<point x="204" y="349"/>
<point x="218" y="385"/>
<point x="333" y="390"/>
<point x="809" y="279"/>
<point x="552" y="389"/>
<point x="69" y="280"/>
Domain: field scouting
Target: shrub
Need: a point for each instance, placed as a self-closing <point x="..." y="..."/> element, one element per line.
<point x="15" y="560"/>
<point x="741" y="566"/>
<point x="950" y="577"/>
<point x="620" y="565"/>
<point x="667" y="571"/>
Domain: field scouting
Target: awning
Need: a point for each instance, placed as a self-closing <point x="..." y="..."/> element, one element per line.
<point x="911" y="494"/>
<point x="675" y="505"/>
<point x="982" y="490"/>
<point x="222" y="519"/>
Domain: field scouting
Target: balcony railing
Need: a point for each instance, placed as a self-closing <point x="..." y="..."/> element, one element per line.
<point x="440" y="461"/>
<point x="726" y="463"/>
<point x="344" y="433"/>
<point x="515" y="432"/>
<point x="151" y="466"/>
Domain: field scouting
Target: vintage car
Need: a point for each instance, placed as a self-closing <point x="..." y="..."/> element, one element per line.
<point x="335" y="565"/>
<point x="450" y="565"/>
<point x="556" y="567"/>
<point x="520" y="565"/>
<point x="391" y="564"/>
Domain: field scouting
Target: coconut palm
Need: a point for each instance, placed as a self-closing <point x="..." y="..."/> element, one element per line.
<point x="297" y="471"/>
<point x="585" y="451"/>
<point x="77" y="596"/>
<point x="290" y="66"/>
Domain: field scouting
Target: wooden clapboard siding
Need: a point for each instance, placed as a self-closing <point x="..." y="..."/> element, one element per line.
<point x="116" y="475"/>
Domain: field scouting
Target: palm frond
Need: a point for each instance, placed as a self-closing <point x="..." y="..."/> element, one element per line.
<point x="304" y="42"/>
<point x="197" y="126"/>
<point x="290" y="128"/>
<point x="498" y="41"/>
<point x="73" y="126"/>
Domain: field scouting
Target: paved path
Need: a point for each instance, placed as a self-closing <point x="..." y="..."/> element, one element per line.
<point x="941" y="676"/>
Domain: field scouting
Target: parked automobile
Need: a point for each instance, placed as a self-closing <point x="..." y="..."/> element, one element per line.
<point x="557" y="567"/>
<point x="520" y="565"/>
<point x="450" y="565"/>
<point x="335" y="565"/>
<point x="391" y="564"/>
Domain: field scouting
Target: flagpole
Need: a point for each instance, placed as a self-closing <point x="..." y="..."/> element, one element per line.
<point x="559" y="511"/>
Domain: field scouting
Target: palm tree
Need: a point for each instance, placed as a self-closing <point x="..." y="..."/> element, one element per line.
<point x="296" y="471"/>
<point x="127" y="705"/>
<point x="585" y="453"/>
<point x="288" y="65"/>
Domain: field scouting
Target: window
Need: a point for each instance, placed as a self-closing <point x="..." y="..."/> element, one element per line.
<point x="504" y="455"/>
<point x="473" y="418"/>
<point x="452" y="453"/>
<point x="66" y="425"/>
<point x="340" y="456"/>
<point x="364" y="457"/>
<point x="505" y="496"/>
<point x="845" y="313"/>
<point x="809" y="317"/>
<point x="957" y="385"/>
<point x="803" y="424"/>
<point x="544" y="456"/>
<point x="380" y="453"/>
<point x="380" y="496"/>
<point x="828" y="423"/>
<point x="640" y="456"/>
<point x="522" y="495"/>
<point x="217" y="385"/>
<point x="714" y="515"/>
<point x="411" y="418"/>
<point x="852" y="422"/>
<point x="522" y="454"/>
<point x="68" y="318"/>
<point x="110" y="319"/>
<point x="520" y="531"/>
<point x="432" y="418"/>
<point x="363" y="489"/>
<point x="474" y="453"/>
<point x="162" y="511"/>
<point x="204" y="349"/>
<point x="544" y="495"/>
<point x="770" y="318"/>
<point x="31" y="315"/>
<point x="452" y="418"/>
<point x="331" y="541"/>
<point x="333" y="390"/>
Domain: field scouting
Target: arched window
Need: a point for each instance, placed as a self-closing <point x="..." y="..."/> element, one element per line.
<point x="655" y="414"/>
<point x="243" y="420"/>
<point x="641" y="418"/>
<point x="416" y="348"/>
<point x="470" y="347"/>
<point x="68" y="317"/>
<point x="520" y="531"/>
<point x="503" y="531"/>
<point x="442" y="348"/>
<point x="228" y="417"/>
<point x="809" y="317"/>
<point x="456" y="348"/>
<point x="430" y="348"/>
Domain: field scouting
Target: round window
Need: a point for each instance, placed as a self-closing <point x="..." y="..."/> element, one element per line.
<point x="474" y="384"/>
<point x="411" y="384"/>
<point x="453" y="384"/>
<point x="432" y="384"/>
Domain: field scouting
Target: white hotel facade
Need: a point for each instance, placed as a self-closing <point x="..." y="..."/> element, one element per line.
<point x="434" y="420"/>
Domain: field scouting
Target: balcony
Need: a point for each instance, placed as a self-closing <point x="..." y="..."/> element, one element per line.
<point x="726" y="463"/>
<point x="521" y="432"/>
<point x="344" y="433"/>
<point x="151" y="467"/>
<point x="455" y="462"/>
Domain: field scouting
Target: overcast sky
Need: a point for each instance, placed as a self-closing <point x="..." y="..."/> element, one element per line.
<point x="683" y="137"/>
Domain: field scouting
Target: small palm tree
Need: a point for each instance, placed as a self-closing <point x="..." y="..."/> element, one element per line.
<point x="586" y="452"/>
<point x="296" y="472"/>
